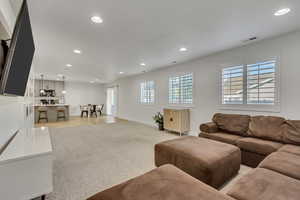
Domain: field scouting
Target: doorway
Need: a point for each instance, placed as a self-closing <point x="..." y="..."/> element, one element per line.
<point x="111" y="101"/>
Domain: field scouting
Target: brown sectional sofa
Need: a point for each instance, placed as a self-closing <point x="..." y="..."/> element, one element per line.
<point x="256" y="136"/>
<point x="272" y="140"/>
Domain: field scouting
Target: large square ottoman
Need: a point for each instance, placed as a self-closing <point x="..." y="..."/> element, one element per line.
<point x="210" y="161"/>
<point x="164" y="183"/>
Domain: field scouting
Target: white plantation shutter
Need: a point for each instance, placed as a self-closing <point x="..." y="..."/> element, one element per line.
<point x="252" y="84"/>
<point x="174" y="90"/>
<point x="181" y="89"/>
<point x="261" y="83"/>
<point x="232" y="85"/>
<point x="147" y="92"/>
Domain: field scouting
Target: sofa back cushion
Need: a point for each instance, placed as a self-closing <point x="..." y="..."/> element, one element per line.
<point x="236" y="124"/>
<point x="267" y="127"/>
<point x="292" y="132"/>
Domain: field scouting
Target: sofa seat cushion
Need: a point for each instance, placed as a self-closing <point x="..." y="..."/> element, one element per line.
<point x="255" y="145"/>
<point x="267" y="127"/>
<point x="164" y="183"/>
<point x="264" y="184"/>
<point x="284" y="163"/>
<point x="222" y="137"/>
<point x="292" y="132"/>
<point x="236" y="124"/>
<point x="290" y="149"/>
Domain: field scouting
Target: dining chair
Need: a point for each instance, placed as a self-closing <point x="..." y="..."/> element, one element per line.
<point x="84" y="110"/>
<point x="93" y="110"/>
<point x="100" y="109"/>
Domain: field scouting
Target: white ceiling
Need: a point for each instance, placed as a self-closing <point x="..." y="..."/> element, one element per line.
<point x="149" y="31"/>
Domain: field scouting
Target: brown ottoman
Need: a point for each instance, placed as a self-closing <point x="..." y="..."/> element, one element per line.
<point x="210" y="161"/>
<point x="164" y="183"/>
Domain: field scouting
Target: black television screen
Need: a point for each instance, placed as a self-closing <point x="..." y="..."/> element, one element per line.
<point x="18" y="61"/>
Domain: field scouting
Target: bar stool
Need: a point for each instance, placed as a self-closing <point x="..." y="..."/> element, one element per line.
<point x="43" y="114"/>
<point x="61" y="114"/>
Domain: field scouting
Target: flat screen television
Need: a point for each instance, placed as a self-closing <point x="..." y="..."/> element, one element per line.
<point x="17" y="65"/>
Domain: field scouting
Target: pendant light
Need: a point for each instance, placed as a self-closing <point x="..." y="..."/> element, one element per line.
<point x="64" y="91"/>
<point x="42" y="91"/>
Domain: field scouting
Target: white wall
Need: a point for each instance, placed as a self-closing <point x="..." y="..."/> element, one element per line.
<point x="13" y="109"/>
<point x="206" y="72"/>
<point x="7" y="16"/>
<point x="82" y="94"/>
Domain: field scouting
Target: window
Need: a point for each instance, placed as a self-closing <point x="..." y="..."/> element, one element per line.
<point x="232" y="84"/>
<point x="181" y="89"/>
<point x="147" y="92"/>
<point x="261" y="83"/>
<point x="252" y="84"/>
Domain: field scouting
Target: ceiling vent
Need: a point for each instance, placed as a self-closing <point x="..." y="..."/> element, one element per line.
<point x="250" y="39"/>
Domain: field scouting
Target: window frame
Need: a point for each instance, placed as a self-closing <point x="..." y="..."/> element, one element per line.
<point x="275" y="108"/>
<point x="180" y="104"/>
<point x="140" y="92"/>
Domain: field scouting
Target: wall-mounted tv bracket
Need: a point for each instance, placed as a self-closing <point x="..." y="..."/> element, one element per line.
<point x="5" y="47"/>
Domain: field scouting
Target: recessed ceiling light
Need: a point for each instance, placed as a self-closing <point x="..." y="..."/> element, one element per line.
<point x="121" y="72"/>
<point x="77" y="51"/>
<point x="282" y="12"/>
<point x="97" y="19"/>
<point x="69" y="65"/>
<point x="143" y="64"/>
<point x="92" y="81"/>
<point x="60" y="75"/>
<point x="182" y="49"/>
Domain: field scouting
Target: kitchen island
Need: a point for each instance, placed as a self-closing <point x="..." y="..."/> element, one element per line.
<point x="51" y="112"/>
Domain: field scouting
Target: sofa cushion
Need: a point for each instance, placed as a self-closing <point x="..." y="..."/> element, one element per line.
<point x="292" y="132"/>
<point x="290" y="149"/>
<point x="284" y="163"/>
<point x="259" y="146"/>
<point x="267" y="127"/>
<point x="222" y="137"/>
<point x="210" y="127"/>
<point x="264" y="184"/>
<point x="237" y="124"/>
<point x="163" y="183"/>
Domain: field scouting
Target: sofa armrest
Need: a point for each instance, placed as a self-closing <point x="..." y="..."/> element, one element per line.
<point x="210" y="127"/>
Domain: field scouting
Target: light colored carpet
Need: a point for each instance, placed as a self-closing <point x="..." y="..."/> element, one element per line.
<point x="89" y="159"/>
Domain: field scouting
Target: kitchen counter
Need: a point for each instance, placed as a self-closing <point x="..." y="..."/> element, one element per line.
<point x="50" y="105"/>
<point x="51" y="112"/>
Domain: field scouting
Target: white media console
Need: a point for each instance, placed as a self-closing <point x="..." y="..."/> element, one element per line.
<point x="26" y="165"/>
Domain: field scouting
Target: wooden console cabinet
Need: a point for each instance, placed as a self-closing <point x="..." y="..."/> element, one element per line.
<point x="177" y="120"/>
